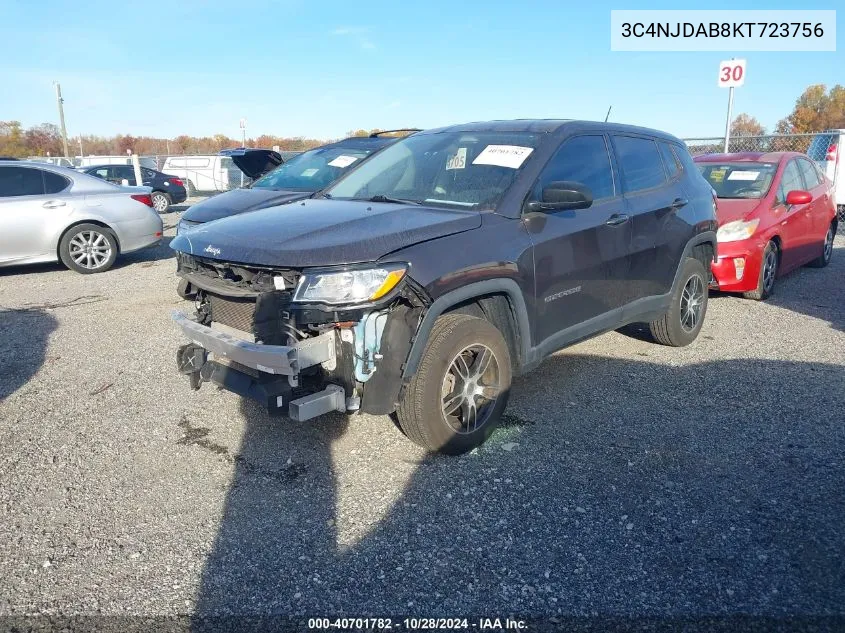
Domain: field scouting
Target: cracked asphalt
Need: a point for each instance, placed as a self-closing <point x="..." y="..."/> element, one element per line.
<point x="629" y="481"/>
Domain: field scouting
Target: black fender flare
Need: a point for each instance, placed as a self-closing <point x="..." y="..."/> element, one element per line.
<point x="476" y="290"/>
<point x="705" y="237"/>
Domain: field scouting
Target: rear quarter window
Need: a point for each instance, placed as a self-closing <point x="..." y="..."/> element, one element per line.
<point x="54" y="183"/>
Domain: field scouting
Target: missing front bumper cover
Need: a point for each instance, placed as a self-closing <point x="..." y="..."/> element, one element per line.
<point x="286" y="360"/>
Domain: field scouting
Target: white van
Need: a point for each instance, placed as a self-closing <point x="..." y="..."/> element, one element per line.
<point x="204" y="173"/>
<point x="124" y="159"/>
<point x="825" y="149"/>
<point x="59" y="161"/>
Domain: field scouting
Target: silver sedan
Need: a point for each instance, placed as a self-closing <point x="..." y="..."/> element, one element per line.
<point x="50" y="213"/>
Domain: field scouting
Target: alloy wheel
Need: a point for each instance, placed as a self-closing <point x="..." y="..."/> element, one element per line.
<point x="770" y="266"/>
<point x="692" y="303"/>
<point x="90" y="249"/>
<point x="828" y="244"/>
<point x="159" y="203"/>
<point x="470" y="388"/>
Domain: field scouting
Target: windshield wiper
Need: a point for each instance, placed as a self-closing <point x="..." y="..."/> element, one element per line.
<point x="381" y="198"/>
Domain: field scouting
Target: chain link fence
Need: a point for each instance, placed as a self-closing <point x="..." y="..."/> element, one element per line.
<point x="803" y="143"/>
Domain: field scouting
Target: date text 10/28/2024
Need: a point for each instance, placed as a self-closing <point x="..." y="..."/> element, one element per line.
<point x="418" y="624"/>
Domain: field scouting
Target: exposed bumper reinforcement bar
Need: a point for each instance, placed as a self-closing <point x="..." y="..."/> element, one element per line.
<point x="286" y="360"/>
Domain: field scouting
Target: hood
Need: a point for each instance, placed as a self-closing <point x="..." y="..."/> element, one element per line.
<point x="254" y="162"/>
<point x="322" y="232"/>
<point x="239" y="201"/>
<point x="730" y="209"/>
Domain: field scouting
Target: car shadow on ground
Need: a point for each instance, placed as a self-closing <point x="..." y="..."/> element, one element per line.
<point x="699" y="497"/>
<point x="807" y="291"/>
<point x="155" y="253"/>
<point x="24" y="336"/>
<point x="811" y="291"/>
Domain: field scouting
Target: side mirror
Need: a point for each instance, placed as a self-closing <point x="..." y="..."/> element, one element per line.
<point x="563" y="195"/>
<point x="798" y="196"/>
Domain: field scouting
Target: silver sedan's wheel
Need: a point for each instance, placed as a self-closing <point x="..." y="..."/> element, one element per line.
<point x="88" y="248"/>
<point x="161" y="202"/>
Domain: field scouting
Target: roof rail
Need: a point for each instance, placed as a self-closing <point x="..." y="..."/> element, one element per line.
<point x="403" y="129"/>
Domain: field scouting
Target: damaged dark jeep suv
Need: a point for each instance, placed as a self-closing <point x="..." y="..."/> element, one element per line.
<point x="423" y="280"/>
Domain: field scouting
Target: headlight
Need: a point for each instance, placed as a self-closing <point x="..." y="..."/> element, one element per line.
<point x="348" y="286"/>
<point x="736" y="230"/>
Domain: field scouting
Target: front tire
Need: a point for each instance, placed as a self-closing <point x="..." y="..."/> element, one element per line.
<point x="768" y="274"/>
<point x="161" y="201"/>
<point x="456" y="398"/>
<point x="827" y="248"/>
<point x="185" y="289"/>
<point x="88" y="248"/>
<point x="683" y="320"/>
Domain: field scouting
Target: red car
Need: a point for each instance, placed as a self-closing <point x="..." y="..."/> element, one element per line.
<point x="775" y="213"/>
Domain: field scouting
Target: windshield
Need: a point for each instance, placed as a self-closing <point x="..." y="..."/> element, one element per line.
<point x="739" y="180"/>
<point x="451" y="169"/>
<point x="312" y="170"/>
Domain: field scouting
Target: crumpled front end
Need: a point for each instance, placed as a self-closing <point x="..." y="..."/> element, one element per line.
<point x="247" y="335"/>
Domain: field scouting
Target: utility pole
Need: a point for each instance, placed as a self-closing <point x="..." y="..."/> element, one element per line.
<point x="243" y="132"/>
<point x="81" y="153"/>
<point x="728" y="120"/>
<point x="60" y="101"/>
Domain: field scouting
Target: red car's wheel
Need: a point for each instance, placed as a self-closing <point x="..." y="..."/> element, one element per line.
<point x="768" y="273"/>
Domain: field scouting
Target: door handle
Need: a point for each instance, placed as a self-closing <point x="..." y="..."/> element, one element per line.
<point x="616" y="219"/>
<point x="53" y="204"/>
<point x="677" y="203"/>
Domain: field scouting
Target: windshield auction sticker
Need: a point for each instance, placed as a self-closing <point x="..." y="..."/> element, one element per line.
<point x="729" y="30"/>
<point x="503" y="156"/>
<point x="343" y="161"/>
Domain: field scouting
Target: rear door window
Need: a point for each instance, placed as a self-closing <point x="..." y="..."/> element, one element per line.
<point x="670" y="161"/>
<point x="20" y="181"/>
<point x="640" y="163"/>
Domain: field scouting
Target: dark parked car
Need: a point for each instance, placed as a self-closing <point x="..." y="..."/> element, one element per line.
<point x="167" y="190"/>
<point x="421" y="282"/>
<point x="277" y="182"/>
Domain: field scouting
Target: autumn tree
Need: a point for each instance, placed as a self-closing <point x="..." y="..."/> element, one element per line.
<point x="12" y="140"/>
<point x="746" y="125"/>
<point x="815" y="110"/>
<point x="44" y="139"/>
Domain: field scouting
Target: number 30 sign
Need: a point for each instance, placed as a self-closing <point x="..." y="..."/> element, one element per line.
<point x="732" y="73"/>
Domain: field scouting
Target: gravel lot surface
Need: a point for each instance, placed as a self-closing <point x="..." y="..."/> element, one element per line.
<point x="630" y="480"/>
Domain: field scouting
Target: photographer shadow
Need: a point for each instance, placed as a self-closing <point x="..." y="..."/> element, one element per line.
<point x="618" y="488"/>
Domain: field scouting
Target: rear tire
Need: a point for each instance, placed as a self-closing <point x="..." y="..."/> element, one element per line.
<point x="827" y="248"/>
<point x="88" y="248"/>
<point x="161" y="201"/>
<point x="190" y="190"/>
<point x="768" y="274"/>
<point x="456" y="398"/>
<point x="683" y="320"/>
